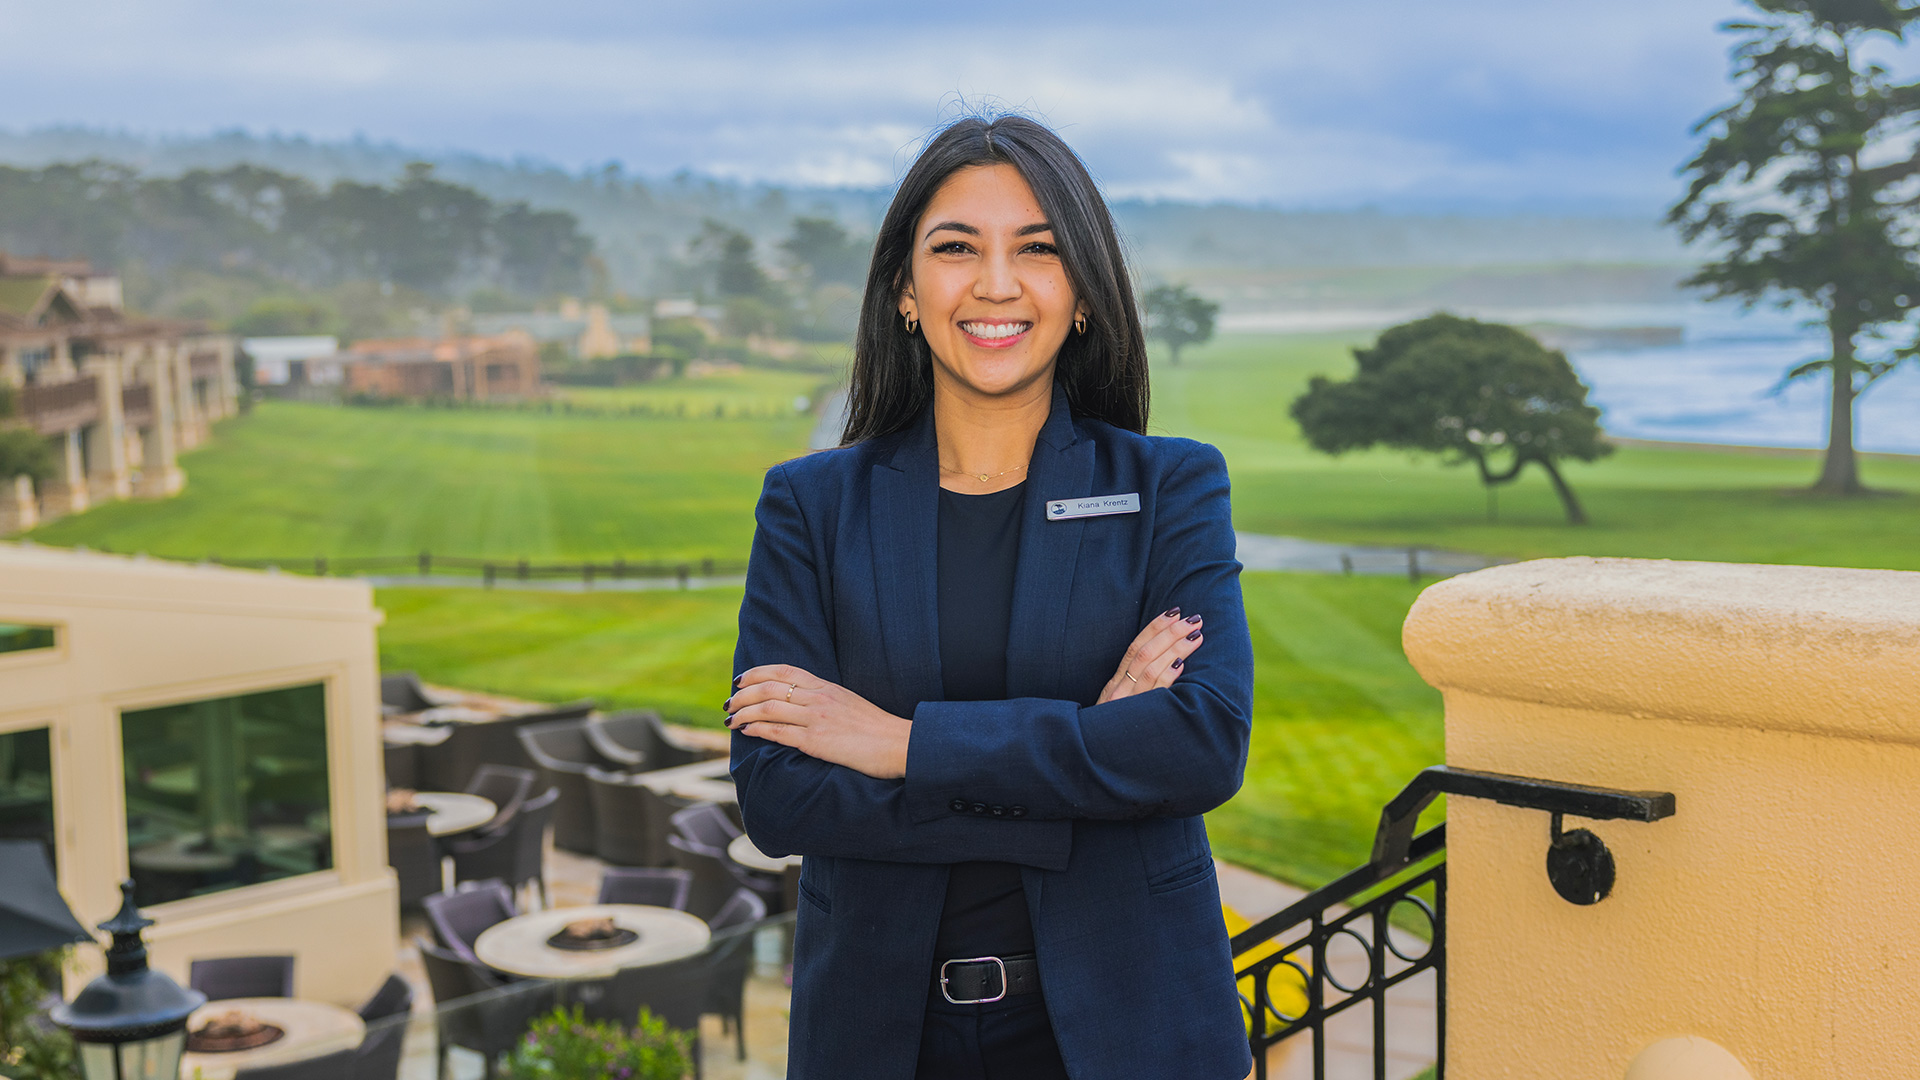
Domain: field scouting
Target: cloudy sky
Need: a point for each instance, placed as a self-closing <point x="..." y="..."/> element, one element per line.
<point x="1543" y="103"/>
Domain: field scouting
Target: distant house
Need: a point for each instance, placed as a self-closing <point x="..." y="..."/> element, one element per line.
<point x="587" y="332"/>
<point x="471" y="368"/>
<point x="281" y="361"/>
<point x="118" y="396"/>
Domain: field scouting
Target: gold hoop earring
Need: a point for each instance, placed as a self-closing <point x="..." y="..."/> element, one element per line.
<point x="1080" y="325"/>
<point x="913" y="324"/>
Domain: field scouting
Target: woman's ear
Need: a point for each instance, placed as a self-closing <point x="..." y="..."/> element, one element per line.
<point x="906" y="301"/>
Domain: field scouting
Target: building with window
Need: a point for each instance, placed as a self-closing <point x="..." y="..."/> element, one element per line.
<point x="212" y="734"/>
<point x="472" y="368"/>
<point x="118" y="396"/>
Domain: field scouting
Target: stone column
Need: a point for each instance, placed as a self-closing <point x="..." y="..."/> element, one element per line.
<point x="189" y="426"/>
<point x="226" y="386"/>
<point x="1767" y="928"/>
<point x="66" y="493"/>
<point x="108" y="475"/>
<point x="18" y="510"/>
<point x="160" y="473"/>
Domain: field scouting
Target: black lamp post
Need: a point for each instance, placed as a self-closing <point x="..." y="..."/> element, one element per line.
<point x="131" y="1023"/>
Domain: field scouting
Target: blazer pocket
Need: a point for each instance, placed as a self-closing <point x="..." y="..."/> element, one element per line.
<point x="812" y="896"/>
<point x="1193" y="871"/>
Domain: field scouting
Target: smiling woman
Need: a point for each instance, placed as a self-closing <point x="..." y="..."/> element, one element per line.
<point x="976" y="695"/>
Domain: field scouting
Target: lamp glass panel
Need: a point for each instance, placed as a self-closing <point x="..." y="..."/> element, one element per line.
<point x="153" y="1059"/>
<point x="97" y="1060"/>
<point x="226" y="792"/>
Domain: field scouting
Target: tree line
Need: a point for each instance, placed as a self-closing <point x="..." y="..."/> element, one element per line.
<point x="419" y="232"/>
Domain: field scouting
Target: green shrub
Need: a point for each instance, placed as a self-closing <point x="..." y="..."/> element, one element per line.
<point x="564" y="1045"/>
<point x="30" y="1047"/>
<point x="23" y="451"/>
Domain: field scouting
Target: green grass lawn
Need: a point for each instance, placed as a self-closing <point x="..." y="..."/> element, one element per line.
<point x="295" y="481"/>
<point x="1341" y="720"/>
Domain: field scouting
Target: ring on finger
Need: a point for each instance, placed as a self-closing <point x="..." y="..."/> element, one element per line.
<point x="1130" y="677"/>
<point x="791" y="687"/>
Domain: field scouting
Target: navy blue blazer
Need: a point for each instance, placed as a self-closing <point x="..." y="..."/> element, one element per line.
<point x="1098" y="804"/>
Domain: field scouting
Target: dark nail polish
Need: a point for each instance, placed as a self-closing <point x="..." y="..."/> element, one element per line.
<point x="737" y="678"/>
<point x="1171" y="612"/>
<point x="1195" y="636"/>
<point x="1194" y="619"/>
<point x="727" y="704"/>
<point x="1177" y="661"/>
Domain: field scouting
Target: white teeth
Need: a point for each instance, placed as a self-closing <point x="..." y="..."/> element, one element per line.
<point x="992" y="331"/>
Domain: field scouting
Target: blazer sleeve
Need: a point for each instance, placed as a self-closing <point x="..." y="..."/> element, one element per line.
<point x="1175" y="752"/>
<point x="793" y="804"/>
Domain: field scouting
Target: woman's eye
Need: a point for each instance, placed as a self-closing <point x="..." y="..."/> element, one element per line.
<point x="951" y="247"/>
<point x="1040" y="248"/>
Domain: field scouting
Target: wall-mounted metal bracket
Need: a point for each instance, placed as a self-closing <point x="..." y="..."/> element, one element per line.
<point x="1579" y="865"/>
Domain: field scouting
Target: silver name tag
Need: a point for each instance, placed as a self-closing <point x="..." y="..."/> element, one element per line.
<point x="1096" y="506"/>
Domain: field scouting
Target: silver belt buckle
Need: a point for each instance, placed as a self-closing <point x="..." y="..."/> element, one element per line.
<point x="1001" y="964"/>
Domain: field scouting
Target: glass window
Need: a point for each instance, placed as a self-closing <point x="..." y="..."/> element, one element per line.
<point x="17" y="638"/>
<point x="226" y="792"/>
<point x="26" y="787"/>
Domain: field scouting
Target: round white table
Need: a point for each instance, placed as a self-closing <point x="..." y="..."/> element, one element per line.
<point x="312" y="1028"/>
<point x="742" y="851"/>
<point x="454" y="812"/>
<point x="519" y="945"/>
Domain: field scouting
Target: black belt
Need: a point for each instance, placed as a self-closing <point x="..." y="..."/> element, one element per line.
<point x="982" y="979"/>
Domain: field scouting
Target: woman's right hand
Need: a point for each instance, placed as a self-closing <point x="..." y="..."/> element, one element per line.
<point x="1156" y="657"/>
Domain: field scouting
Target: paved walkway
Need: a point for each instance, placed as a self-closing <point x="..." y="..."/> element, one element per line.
<point x="1412" y="1013"/>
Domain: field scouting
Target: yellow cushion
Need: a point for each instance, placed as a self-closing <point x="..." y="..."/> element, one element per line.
<point x="1286" y="987"/>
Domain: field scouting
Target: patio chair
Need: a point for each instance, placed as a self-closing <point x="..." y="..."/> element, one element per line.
<point x="631" y="822"/>
<point x="459" y="917"/>
<point x="414" y="856"/>
<point x="715" y="878"/>
<point x="507" y="786"/>
<point x="729" y="955"/>
<point x="639" y="739"/>
<point x="335" y="1066"/>
<point x="386" y="1014"/>
<point x="394" y="997"/>
<point x="563" y="754"/>
<point x="473" y="1009"/>
<point x="515" y="854"/>
<point x="242" y="977"/>
<point x="402" y="765"/>
<point x="401" y="691"/>
<point x="674" y="991"/>
<point x="450" y="765"/>
<point x="744" y="907"/>
<point x="646" y="885"/>
<point x="705" y="824"/>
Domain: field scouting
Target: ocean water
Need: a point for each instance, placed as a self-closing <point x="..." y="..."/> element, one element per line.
<point x="1722" y="384"/>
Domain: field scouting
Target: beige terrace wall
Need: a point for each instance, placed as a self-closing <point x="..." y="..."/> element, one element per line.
<point x="1777" y="914"/>
<point x="136" y="633"/>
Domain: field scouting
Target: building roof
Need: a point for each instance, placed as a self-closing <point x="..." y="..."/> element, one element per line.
<point x="20" y="297"/>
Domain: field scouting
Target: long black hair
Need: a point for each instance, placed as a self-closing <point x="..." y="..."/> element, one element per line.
<point x="1104" y="371"/>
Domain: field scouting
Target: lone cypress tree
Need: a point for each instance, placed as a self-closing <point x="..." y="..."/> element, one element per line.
<point x="1808" y="182"/>
<point x="1469" y="391"/>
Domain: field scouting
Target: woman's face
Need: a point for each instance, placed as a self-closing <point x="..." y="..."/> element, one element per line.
<point x="987" y="285"/>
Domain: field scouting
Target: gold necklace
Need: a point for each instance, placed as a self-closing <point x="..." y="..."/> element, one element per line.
<point x="982" y="477"/>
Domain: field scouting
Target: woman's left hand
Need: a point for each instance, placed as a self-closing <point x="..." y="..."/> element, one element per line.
<point x="790" y="706"/>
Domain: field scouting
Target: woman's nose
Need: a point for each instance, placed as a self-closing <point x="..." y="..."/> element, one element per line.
<point x="997" y="280"/>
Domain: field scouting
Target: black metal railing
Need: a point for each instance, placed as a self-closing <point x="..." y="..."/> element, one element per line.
<point x="489" y="571"/>
<point x="1344" y="946"/>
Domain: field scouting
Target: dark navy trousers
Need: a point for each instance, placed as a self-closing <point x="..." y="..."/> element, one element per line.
<point x="1009" y="1039"/>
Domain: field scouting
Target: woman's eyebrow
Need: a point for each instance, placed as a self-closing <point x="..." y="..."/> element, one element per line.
<point x="954" y="226"/>
<point x="1029" y="230"/>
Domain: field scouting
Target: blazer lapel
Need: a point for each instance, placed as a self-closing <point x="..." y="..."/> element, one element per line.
<point x="905" y="522"/>
<point x="1062" y="468"/>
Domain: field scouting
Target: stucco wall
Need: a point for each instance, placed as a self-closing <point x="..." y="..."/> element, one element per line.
<point x="139" y="633"/>
<point x="1775" y="914"/>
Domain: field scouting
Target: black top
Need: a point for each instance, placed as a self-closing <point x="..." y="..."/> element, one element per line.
<point x="986" y="908"/>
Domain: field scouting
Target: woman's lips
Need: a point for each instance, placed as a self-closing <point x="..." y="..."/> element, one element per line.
<point x="995" y="335"/>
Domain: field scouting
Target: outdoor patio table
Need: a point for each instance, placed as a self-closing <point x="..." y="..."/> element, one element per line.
<point x="742" y="851"/>
<point x="396" y="733"/>
<point x="519" y="945"/>
<point x="703" y="781"/>
<point x="312" y="1028"/>
<point x="454" y="812"/>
